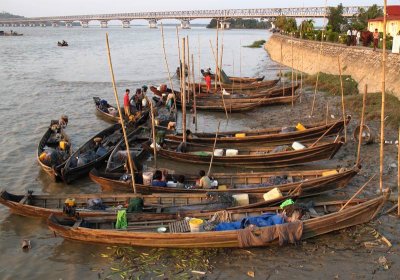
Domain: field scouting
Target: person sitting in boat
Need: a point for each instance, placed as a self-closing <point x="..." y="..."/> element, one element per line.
<point x="181" y="182"/>
<point x="159" y="179"/>
<point x="138" y="99"/>
<point x="63" y="121"/>
<point x="170" y="101"/>
<point x="204" y="182"/>
<point x="189" y="134"/>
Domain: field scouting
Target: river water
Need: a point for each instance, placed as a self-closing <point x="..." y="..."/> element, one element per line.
<point x="40" y="81"/>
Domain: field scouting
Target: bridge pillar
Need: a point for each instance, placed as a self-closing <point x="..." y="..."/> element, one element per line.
<point x="31" y="24"/>
<point x="103" y="23"/>
<point x="185" y="24"/>
<point x="85" y="23"/>
<point x="14" y="25"/>
<point x="153" y="23"/>
<point x="42" y="24"/>
<point x="126" y="23"/>
<point x="68" y="24"/>
<point x="54" y="24"/>
<point x="225" y="24"/>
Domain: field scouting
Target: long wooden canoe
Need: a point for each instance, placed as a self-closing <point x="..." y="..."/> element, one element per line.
<point x="312" y="182"/>
<point x="238" y="87"/>
<point x="250" y="156"/>
<point x="236" y="79"/>
<point x="51" y="140"/>
<point x="118" y="155"/>
<point x="86" y="157"/>
<point x="168" y="203"/>
<point x="110" y="113"/>
<point x="102" y="230"/>
<point x="268" y="136"/>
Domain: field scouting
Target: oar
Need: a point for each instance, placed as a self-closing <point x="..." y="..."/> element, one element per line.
<point x="130" y="162"/>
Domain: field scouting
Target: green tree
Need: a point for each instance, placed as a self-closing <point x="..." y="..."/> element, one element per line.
<point x="280" y="22"/>
<point x="336" y="18"/>
<point x="360" y="21"/>
<point x="306" y="26"/>
<point x="286" y="24"/>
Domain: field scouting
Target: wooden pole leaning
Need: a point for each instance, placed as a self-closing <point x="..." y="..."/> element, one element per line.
<point x="167" y="66"/>
<point x="183" y="92"/>
<point x="212" y="155"/>
<point x="342" y="93"/>
<point x="361" y="125"/>
<point x="357" y="193"/>
<point x="322" y="136"/>
<point x="292" y="71"/>
<point x="280" y="72"/>
<point x="381" y="155"/>
<point x="194" y="96"/>
<point x="153" y="132"/>
<point x="130" y="162"/>
<point x="398" y="174"/>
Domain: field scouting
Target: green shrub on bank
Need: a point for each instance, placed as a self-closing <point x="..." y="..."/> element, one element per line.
<point x="373" y="107"/>
<point x="256" y="44"/>
<point x="329" y="83"/>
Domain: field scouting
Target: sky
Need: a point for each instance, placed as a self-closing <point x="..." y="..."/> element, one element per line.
<point x="38" y="8"/>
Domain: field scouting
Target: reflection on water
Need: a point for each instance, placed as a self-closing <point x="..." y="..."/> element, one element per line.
<point x="40" y="81"/>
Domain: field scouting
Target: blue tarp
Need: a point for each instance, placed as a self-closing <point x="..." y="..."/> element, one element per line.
<point x="268" y="219"/>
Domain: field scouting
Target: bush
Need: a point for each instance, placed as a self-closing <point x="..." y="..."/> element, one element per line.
<point x="332" y="36"/>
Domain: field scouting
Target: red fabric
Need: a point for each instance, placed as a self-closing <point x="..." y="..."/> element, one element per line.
<point x="126" y="99"/>
<point x="208" y="81"/>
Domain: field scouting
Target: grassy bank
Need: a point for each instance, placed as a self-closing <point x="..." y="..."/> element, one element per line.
<point x="328" y="83"/>
<point x="256" y="44"/>
<point x="373" y="107"/>
<point x="331" y="85"/>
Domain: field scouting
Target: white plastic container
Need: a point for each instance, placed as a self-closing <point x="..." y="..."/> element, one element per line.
<point x="158" y="147"/>
<point x="214" y="183"/>
<point x="232" y="152"/>
<point x="275" y="193"/>
<point x="218" y="152"/>
<point x="298" y="146"/>
<point x="241" y="199"/>
<point x="196" y="225"/>
<point x="171" y="184"/>
<point x="147" y="178"/>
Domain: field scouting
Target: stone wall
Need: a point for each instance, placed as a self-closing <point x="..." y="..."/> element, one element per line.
<point x="363" y="64"/>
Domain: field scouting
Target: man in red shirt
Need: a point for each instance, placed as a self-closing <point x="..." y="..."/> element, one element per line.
<point x="127" y="103"/>
<point x="208" y="82"/>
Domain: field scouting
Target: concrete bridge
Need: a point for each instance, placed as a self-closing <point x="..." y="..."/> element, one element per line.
<point x="185" y="17"/>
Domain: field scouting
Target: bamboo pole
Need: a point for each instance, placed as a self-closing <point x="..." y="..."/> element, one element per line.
<point x="222" y="95"/>
<point x="342" y="93"/>
<point x="398" y="174"/>
<point x="323" y="135"/>
<point x="357" y="193"/>
<point x="280" y="72"/>
<point x="383" y="99"/>
<point x="199" y="66"/>
<point x="216" y="60"/>
<point x="153" y="132"/>
<point x="301" y="75"/>
<point x="361" y="125"/>
<point x="188" y="69"/>
<point x="240" y="59"/>
<point x="166" y="65"/>
<point x="179" y="48"/>
<point x="212" y="155"/>
<point x="292" y="72"/>
<point x="194" y="97"/>
<point x="130" y="162"/>
<point x="183" y="92"/>
<point x="327" y="113"/>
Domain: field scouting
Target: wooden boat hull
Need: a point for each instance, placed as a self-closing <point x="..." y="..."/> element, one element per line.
<point x="237" y="87"/>
<point x="168" y="204"/>
<point x="104" y="115"/>
<point x="237" y="79"/>
<point x="272" y="136"/>
<point x="53" y="172"/>
<point x="350" y="216"/>
<point x="313" y="183"/>
<point x="268" y="160"/>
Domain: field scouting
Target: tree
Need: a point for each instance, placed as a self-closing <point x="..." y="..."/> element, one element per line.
<point x="336" y="18"/>
<point x="360" y="21"/>
<point x="286" y="24"/>
<point x="280" y="22"/>
<point x="306" y="26"/>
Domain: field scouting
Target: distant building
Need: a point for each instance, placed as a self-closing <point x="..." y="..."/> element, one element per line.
<point x="392" y="21"/>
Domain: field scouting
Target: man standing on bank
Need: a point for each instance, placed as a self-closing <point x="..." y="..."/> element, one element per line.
<point x="376" y="39"/>
<point x="127" y="103"/>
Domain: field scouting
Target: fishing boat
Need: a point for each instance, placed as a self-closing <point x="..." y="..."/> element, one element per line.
<point x="268" y="136"/>
<point x="235" y="79"/>
<point x="43" y="205"/>
<point x="118" y="156"/>
<point x="106" y="111"/>
<point x="62" y="44"/>
<point x="248" y="157"/>
<point x="320" y="219"/>
<point x="53" y="150"/>
<point x="237" y="87"/>
<point x="239" y="105"/>
<point x="312" y="182"/>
